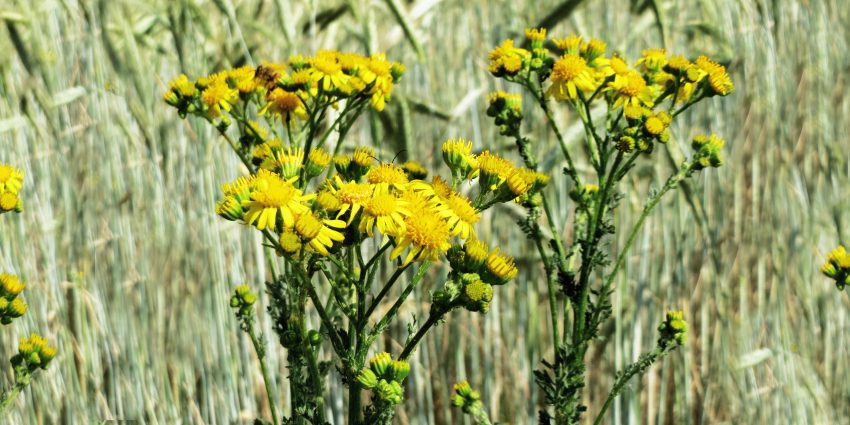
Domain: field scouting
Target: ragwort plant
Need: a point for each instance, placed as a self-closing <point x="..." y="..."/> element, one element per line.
<point x="332" y="217"/>
<point x="639" y="103"/>
<point x="34" y="353"/>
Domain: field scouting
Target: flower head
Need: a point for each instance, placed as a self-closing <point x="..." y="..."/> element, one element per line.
<point x="11" y="179"/>
<point x="386" y="211"/>
<point x="272" y="196"/>
<point x="219" y="95"/>
<point x="507" y="59"/>
<point x="426" y="234"/>
<point x="318" y="234"/>
<point x="569" y="75"/>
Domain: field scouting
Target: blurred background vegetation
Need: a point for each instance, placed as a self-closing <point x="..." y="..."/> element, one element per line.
<point x="129" y="269"/>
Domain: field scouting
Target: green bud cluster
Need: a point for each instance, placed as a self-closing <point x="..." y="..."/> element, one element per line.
<point x="673" y="330"/>
<point x="33" y="353"/>
<point x="506" y="109"/>
<point x="384" y="376"/>
<point x="243" y="301"/>
<point x="707" y="151"/>
<point x="469" y="401"/>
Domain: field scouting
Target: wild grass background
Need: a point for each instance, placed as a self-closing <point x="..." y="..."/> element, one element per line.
<point x="129" y="268"/>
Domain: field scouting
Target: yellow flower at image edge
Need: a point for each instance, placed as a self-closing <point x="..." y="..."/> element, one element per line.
<point x="11" y="179"/>
<point x="272" y="195"/>
<point x="426" y="234"/>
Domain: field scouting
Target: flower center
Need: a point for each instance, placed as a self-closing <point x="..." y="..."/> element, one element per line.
<point x="386" y="173"/>
<point x="308" y="226"/>
<point x="427" y="230"/>
<point x="354" y="193"/>
<point x="568" y="68"/>
<point x="382" y="205"/>
<point x="463" y="208"/>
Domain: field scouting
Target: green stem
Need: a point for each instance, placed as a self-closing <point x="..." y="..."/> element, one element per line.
<point x="12" y="393"/>
<point x="588" y="254"/>
<point x="235" y="148"/>
<point x="260" y="349"/>
<point x="433" y="318"/>
<point x="672" y="181"/>
<point x="381" y="295"/>
<point x="640" y="366"/>
<point x="385" y="321"/>
<point x="571" y="168"/>
<point x="323" y="315"/>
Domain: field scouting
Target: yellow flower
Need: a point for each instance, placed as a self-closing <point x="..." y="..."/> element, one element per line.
<point x="35" y="351"/>
<point x="290" y="242"/>
<point x="286" y="162"/>
<point x="718" y="79"/>
<point x="10" y="285"/>
<point x="500" y="268"/>
<point x="376" y="73"/>
<point x="426" y="234"/>
<point x="9" y="201"/>
<point x="317" y="160"/>
<point x="630" y="90"/>
<point x="459" y="157"/>
<point x="507" y="59"/>
<point x="386" y="211"/>
<point x="319" y="234"/>
<point x="493" y="169"/>
<point x="593" y="49"/>
<point x="230" y="208"/>
<point x="328" y="201"/>
<point x="477" y="253"/>
<point x="619" y="66"/>
<point x="839" y="257"/>
<point x="271" y="196"/>
<point x="415" y="170"/>
<point x="521" y="180"/>
<point x="243" y="79"/>
<point x="387" y="175"/>
<point x="570" y="44"/>
<point x="569" y="75"/>
<point x="327" y="73"/>
<point x="363" y="157"/>
<point x="183" y="86"/>
<point x="535" y="34"/>
<point x="219" y="95"/>
<point x="11" y="179"/>
<point x="460" y="215"/>
<point x="352" y="196"/>
<point x="285" y="104"/>
<point x="653" y="60"/>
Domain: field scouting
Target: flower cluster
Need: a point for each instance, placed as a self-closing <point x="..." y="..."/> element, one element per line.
<point x="579" y="71"/>
<point x="11" y="306"/>
<point x="385" y="376"/>
<point x="837" y="267"/>
<point x="466" y="398"/>
<point x="288" y="90"/>
<point x="673" y="330"/>
<point x="11" y="180"/>
<point x="33" y="353"/>
<point x="243" y="300"/>
<point x="362" y="196"/>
